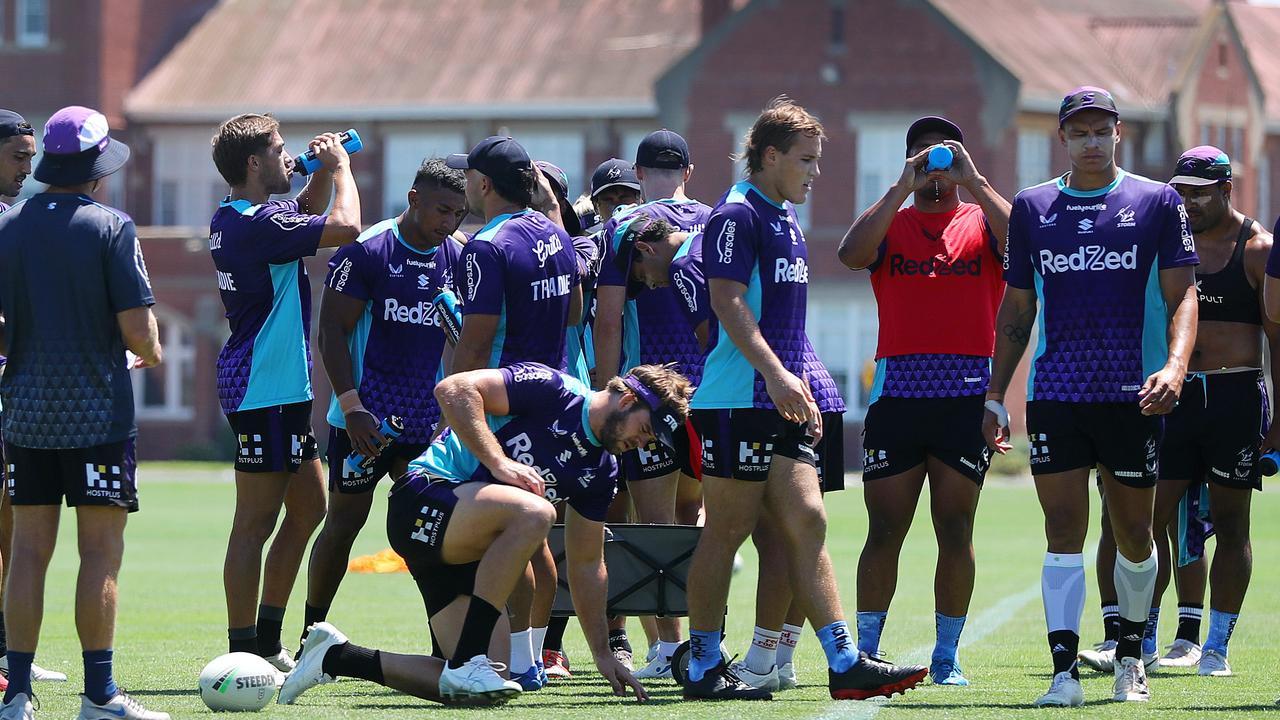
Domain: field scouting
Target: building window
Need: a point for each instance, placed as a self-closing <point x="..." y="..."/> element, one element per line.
<point x="881" y="156"/>
<point x="1154" y="146"/>
<point x="843" y="326"/>
<point x="566" y="149"/>
<point x="836" y="39"/>
<point x="33" y="23"/>
<point x="167" y="202"/>
<point x="167" y="392"/>
<point x="1034" y="147"/>
<point x="403" y="154"/>
<point x="743" y="123"/>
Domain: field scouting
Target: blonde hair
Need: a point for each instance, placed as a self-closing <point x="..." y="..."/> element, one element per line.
<point x="672" y="388"/>
<point x="778" y="125"/>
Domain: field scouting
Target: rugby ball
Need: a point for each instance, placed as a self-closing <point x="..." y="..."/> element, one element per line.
<point x="237" y="681"/>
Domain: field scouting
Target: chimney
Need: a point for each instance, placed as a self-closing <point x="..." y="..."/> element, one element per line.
<point x="714" y="11"/>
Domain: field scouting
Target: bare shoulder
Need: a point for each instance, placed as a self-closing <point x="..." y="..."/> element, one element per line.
<point x="1257" y="249"/>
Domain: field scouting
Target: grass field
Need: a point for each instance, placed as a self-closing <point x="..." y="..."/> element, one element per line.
<point x="172" y="622"/>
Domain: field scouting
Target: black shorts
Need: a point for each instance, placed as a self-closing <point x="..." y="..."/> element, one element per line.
<point x="274" y="439"/>
<point x="740" y="443"/>
<point x="1069" y="436"/>
<point x="1215" y="431"/>
<point x="418" y="513"/>
<point x="656" y="460"/>
<point x="899" y="433"/>
<point x="102" y="475"/>
<point x="342" y="480"/>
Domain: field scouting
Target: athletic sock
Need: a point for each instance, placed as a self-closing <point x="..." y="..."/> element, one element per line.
<point x="270" y="623"/>
<point x="99" y="686"/>
<point x="1151" y="632"/>
<point x="787" y="643"/>
<point x="4" y="637"/>
<point x="521" y="651"/>
<point x="870" y="626"/>
<point x="667" y="649"/>
<point x="555" y="634"/>
<point x="19" y="674"/>
<point x="1062" y="590"/>
<point x="243" y="639"/>
<point x="1189" y="622"/>
<point x="1110" y="620"/>
<point x="1221" y="625"/>
<point x="1135" y="586"/>
<point x="351" y="660"/>
<point x="704" y="653"/>
<point x="477" y="628"/>
<point x="539" y="639"/>
<point x="618" y="640"/>
<point x="310" y="616"/>
<point x="841" y="653"/>
<point x="947" y="645"/>
<point x="763" y="653"/>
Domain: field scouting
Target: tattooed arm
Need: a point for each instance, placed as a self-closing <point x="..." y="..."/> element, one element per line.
<point x="1014" y="321"/>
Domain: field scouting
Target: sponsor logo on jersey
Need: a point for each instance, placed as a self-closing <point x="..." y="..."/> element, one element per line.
<point x="1098" y="207"/>
<point x="396" y="270"/>
<point x="472" y="276"/>
<point x="341" y="274"/>
<point x="796" y="271"/>
<point x="934" y="267"/>
<point x="1091" y="258"/>
<point x="724" y="243"/>
<point x="290" y="220"/>
<point x="215" y="241"/>
<point x="1188" y="242"/>
<point x="424" y="282"/>
<point x="684" y="285"/>
<point x="430" y="265"/>
<point x="226" y="282"/>
<point x="419" y="314"/>
<point x="546" y="248"/>
<point x="551" y="287"/>
<point x="1048" y="221"/>
<point x="527" y="373"/>
<point x="1084" y="227"/>
<point x="1125" y="217"/>
<point x="874" y="459"/>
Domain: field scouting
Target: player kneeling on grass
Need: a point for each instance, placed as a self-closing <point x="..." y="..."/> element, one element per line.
<point x="475" y="506"/>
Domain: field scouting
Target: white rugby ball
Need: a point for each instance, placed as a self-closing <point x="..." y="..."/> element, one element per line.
<point x="237" y="681"/>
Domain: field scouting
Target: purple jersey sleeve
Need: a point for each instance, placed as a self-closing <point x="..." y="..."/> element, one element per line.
<point x="1177" y="246"/>
<point x="349" y="272"/>
<point x="285" y="233"/>
<point x="1018" y="268"/>
<point x="483" y="285"/>
<point x="588" y="254"/>
<point x="729" y="244"/>
<point x="691" y="287"/>
<point x="610" y="275"/>
<point x="532" y="389"/>
<point x="593" y="504"/>
<point x="127" y="283"/>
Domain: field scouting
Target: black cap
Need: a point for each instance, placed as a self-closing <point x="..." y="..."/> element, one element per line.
<point x="663" y="149"/>
<point x="614" y="171"/>
<point x="11" y="124"/>
<point x="663" y="420"/>
<point x="933" y="124"/>
<point x="498" y="157"/>
<point x="627" y="232"/>
<point x="1087" y="97"/>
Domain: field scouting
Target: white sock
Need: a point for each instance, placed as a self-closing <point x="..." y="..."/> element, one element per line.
<point x="763" y="653"/>
<point x="667" y="649"/>
<point x="1062" y="589"/>
<point x="1135" y="585"/>
<point x="539" y="638"/>
<point x="521" y="651"/>
<point x="787" y="643"/>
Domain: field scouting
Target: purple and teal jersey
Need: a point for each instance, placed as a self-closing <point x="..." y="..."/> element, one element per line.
<point x="397" y="343"/>
<point x="1093" y="258"/>
<point x="578" y="351"/>
<point x="523" y="269"/>
<point x="757" y="242"/>
<point x="688" y="283"/>
<point x="547" y="429"/>
<point x="257" y="251"/>
<point x="930" y="375"/>
<point x="654" y="329"/>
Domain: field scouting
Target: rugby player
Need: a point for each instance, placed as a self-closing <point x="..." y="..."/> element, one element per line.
<point x="1221" y="422"/>
<point x="932" y="369"/>
<point x="765" y="401"/>
<point x="479" y="502"/>
<point x="382" y="348"/>
<point x="1105" y="259"/>
<point x="264" y="370"/>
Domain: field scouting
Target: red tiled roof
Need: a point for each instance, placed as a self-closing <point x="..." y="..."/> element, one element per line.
<point x="1260" y="30"/>
<point x="404" y="59"/>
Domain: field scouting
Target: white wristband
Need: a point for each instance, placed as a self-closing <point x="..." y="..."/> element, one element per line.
<point x="997" y="409"/>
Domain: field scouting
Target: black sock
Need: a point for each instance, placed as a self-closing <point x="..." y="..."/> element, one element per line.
<point x="4" y="638"/>
<point x="1064" y="645"/>
<point x="555" y="634"/>
<point x="1110" y="620"/>
<point x="1188" y="622"/>
<point x="477" y="628"/>
<point x="243" y="639"/>
<point x="270" y="622"/>
<point x="354" y="661"/>
<point x="1130" y="642"/>
<point x="310" y="616"/>
<point x="618" y="640"/>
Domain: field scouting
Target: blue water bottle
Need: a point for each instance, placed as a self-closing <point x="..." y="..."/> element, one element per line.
<point x="391" y="428"/>
<point x="940" y="158"/>
<point x="306" y="163"/>
<point x="1269" y="463"/>
<point x="448" y="311"/>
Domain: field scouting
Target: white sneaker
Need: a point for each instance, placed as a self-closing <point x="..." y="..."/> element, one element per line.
<point x="1215" y="664"/>
<point x="476" y="680"/>
<point x="653" y="653"/>
<point x="659" y="668"/>
<point x="38" y="674"/>
<point x="19" y="708"/>
<point x="760" y="681"/>
<point x="1152" y="661"/>
<point x="787" y="676"/>
<point x="283" y="661"/>
<point x="120" y="706"/>
<point x="1182" y="653"/>
<point x="1064" y="691"/>
<point x="1101" y="658"/>
<point x="1131" y="681"/>
<point x="309" y="670"/>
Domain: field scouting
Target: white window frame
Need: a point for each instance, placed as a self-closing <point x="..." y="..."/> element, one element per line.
<point x="23" y="36"/>
<point x="843" y="326"/>
<point x="565" y="147"/>
<point x="1035" y="157"/>
<point x="177" y="355"/>
<point x="1155" y="145"/>
<point x="403" y="153"/>
<point x="738" y="124"/>
<point x="181" y="156"/>
<point x="881" y="152"/>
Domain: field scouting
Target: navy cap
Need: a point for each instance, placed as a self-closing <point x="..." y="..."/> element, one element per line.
<point x="11" y="124"/>
<point x="1202" y="165"/>
<point x="663" y="149"/>
<point x="611" y="172"/>
<point x="559" y="178"/>
<point x="663" y="420"/>
<point x="498" y="157"/>
<point x="1086" y="97"/>
<point x="933" y="124"/>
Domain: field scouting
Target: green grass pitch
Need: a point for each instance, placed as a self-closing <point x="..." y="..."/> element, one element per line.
<point x="172" y="622"/>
